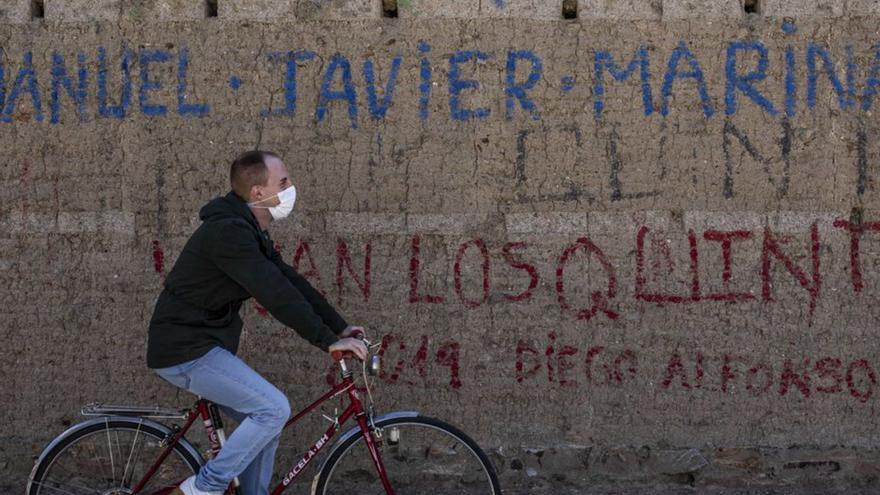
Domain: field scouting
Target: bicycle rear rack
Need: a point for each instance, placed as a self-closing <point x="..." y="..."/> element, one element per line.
<point x="99" y="409"/>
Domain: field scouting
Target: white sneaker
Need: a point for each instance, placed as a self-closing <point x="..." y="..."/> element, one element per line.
<point x="188" y="487"/>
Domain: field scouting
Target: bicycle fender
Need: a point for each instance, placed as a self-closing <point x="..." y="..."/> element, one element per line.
<point x="356" y="430"/>
<point x="91" y="422"/>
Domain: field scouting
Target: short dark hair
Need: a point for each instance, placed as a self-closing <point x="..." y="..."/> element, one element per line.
<point x="248" y="170"/>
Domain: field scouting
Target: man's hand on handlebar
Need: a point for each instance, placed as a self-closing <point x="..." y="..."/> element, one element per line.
<point x="352" y="345"/>
<point x="351" y="331"/>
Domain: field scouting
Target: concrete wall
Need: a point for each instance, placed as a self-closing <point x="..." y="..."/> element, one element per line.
<point x="636" y="249"/>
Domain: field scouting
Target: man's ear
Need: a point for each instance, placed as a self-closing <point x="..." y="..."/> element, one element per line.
<point x="254" y="193"/>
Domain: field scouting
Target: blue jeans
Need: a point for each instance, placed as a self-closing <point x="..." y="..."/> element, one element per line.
<point x="241" y="393"/>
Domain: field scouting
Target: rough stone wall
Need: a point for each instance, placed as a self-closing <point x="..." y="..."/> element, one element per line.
<point x="634" y="251"/>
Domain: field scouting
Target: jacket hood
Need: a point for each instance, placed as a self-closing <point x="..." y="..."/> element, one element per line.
<point x="225" y="207"/>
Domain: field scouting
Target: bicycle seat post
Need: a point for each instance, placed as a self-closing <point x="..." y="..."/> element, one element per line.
<point x="214" y="429"/>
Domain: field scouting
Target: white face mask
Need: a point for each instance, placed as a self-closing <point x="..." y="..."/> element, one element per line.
<point x="287" y="197"/>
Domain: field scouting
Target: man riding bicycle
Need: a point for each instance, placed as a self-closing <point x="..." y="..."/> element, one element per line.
<point x="195" y="327"/>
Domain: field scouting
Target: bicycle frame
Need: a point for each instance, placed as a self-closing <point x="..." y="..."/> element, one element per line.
<point x="355" y="409"/>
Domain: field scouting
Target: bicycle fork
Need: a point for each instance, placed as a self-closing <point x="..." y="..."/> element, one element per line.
<point x="370" y="442"/>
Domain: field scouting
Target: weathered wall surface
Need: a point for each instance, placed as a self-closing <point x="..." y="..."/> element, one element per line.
<point x="639" y="248"/>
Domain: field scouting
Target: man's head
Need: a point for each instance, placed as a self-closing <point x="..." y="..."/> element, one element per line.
<point x="258" y="175"/>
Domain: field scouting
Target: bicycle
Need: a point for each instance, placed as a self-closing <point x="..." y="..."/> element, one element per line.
<point x="396" y="453"/>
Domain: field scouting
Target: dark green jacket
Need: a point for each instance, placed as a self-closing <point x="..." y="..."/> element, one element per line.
<point x="228" y="260"/>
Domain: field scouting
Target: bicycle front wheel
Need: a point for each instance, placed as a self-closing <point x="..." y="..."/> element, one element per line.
<point x="421" y="456"/>
<point x="109" y="457"/>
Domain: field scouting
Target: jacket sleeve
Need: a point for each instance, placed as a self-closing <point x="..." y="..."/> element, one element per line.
<point x="319" y="303"/>
<point x="236" y="251"/>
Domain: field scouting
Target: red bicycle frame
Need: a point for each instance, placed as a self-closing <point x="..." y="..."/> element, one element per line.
<point x="355" y="409"/>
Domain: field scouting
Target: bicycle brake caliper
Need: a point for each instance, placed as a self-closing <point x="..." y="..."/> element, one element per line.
<point x="377" y="431"/>
<point x="165" y="441"/>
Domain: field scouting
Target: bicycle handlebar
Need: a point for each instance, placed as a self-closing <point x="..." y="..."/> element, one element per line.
<point x="340" y="355"/>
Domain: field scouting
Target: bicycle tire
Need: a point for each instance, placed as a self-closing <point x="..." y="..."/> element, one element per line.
<point x="77" y="436"/>
<point x="359" y="475"/>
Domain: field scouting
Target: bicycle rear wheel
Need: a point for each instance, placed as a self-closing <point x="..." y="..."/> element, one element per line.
<point x="109" y="457"/>
<point x="421" y="456"/>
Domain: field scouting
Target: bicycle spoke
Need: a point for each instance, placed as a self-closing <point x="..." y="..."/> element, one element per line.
<point x="110" y="449"/>
<point x="75" y="474"/>
<point x="139" y="450"/>
<point x="84" y="489"/>
<point x="118" y="447"/>
<point x="130" y="453"/>
<point x="95" y="456"/>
